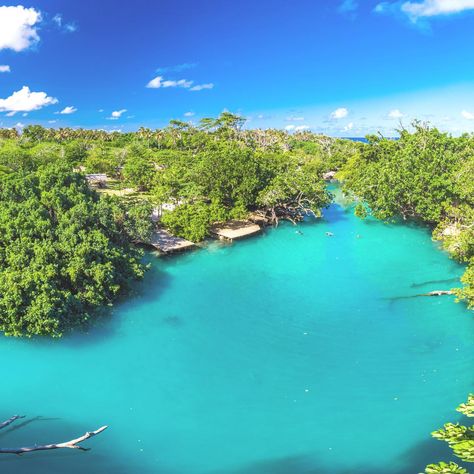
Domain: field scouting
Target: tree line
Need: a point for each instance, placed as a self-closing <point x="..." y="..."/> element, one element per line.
<point x="67" y="251"/>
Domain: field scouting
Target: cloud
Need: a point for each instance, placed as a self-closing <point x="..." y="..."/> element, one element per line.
<point x="292" y="118"/>
<point x="176" y="68"/>
<point x="200" y="87"/>
<point x="25" y="101"/>
<point x="159" y="82"/>
<point x="301" y="128"/>
<point x="348" y="6"/>
<point x="395" y="114"/>
<point x="66" y="27"/>
<point x="189" y="114"/>
<point x="68" y="110"/>
<point x="348" y="127"/>
<point x="18" y="27"/>
<point x="428" y="8"/>
<point x="340" y="113"/>
<point x="416" y="10"/>
<point x="290" y="127"/>
<point x="20" y="125"/>
<point x="116" y="114"/>
<point x="4" y="68"/>
<point x="52" y="121"/>
<point x="467" y="115"/>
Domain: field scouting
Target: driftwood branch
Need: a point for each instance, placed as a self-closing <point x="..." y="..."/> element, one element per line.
<point x="72" y="444"/>
<point x="438" y="293"/>
<point x="431" y="293"/>
<point x="10" y="421"/>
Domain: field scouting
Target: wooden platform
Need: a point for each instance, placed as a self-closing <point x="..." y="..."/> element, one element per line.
<point x="167" y="243"/>
<point x="233" y="230"/>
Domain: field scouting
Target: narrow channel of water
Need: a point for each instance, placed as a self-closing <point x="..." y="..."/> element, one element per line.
<point x="282" y="354"/>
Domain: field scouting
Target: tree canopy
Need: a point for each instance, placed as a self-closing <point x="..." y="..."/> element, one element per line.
<point x="426" y="176"/>
<point x="64" y="252"/>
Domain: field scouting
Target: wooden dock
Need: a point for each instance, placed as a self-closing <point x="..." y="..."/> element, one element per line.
<point x="166" y="243"/>
<point x="234" y="230"/>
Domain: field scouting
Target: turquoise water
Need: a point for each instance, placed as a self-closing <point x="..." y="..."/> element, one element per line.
<point x="285" y="353"/>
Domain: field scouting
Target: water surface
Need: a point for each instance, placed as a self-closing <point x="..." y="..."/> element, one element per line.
<point x="282" y="354"/>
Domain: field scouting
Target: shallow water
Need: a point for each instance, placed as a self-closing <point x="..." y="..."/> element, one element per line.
<point x="282" y="354"/>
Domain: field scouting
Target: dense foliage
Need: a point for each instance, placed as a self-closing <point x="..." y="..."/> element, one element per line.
<point x="64" y="252"/>
<point x="426" y="176"/>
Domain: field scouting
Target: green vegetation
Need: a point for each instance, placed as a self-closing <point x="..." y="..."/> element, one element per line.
<point x="67" y="248"/>
<point x="64" y="252"/>
<point x="460" y="439"/>
<point x="445" y="468"/>
<point x="425" y="176"/>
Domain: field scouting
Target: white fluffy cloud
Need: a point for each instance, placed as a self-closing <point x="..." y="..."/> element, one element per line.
<point x="189" y="114"/>
<point x="159" y="82"/>
<point x="68" y="110"/>
<point x="116" y="114"/>
<point x="425" y="8"/>
<point x="395" y="114"/>
<point x="436" y="7"/>
<point x="340" y="113"/>
<point x="348" y="127"/>
<point x="4" y="68"/>
<point x="25" y="101"/>
<point x="467" y="115"/>
<point x="18" y="27"/>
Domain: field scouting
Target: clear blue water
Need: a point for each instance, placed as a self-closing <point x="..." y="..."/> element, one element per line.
<point x="282" y="354"/>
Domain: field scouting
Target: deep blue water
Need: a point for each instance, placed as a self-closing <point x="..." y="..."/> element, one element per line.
<point x="282" y="354"/>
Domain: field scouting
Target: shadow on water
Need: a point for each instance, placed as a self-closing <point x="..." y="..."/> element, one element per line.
<point x="414" y="460"/>
<point x="18" y="426"/>
<point x="100" y="459"/>
<point x="104" y="325"/>
<point x="434" y="282"/>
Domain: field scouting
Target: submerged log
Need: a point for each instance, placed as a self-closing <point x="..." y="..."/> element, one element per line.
<point x="431" y="293"/>
<point x="438" y="293"/>
<point x="72" y="444"/>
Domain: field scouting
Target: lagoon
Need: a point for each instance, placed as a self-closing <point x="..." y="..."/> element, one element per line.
<point x="286" y="353"/>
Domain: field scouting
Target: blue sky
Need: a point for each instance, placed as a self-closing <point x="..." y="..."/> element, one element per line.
<point x="346" y="68"/>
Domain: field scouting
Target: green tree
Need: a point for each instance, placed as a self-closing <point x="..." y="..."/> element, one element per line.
<point x="64" y="252"/>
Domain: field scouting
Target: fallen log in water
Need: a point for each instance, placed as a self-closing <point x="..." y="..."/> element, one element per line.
<point x="72" y="444"/>
<point x="437" y="293"/>
<point x="431" y="293"/>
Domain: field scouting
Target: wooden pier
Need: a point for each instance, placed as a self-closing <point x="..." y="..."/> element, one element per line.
<point x="167" y="243"/>
<point x="234" y="230"/>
